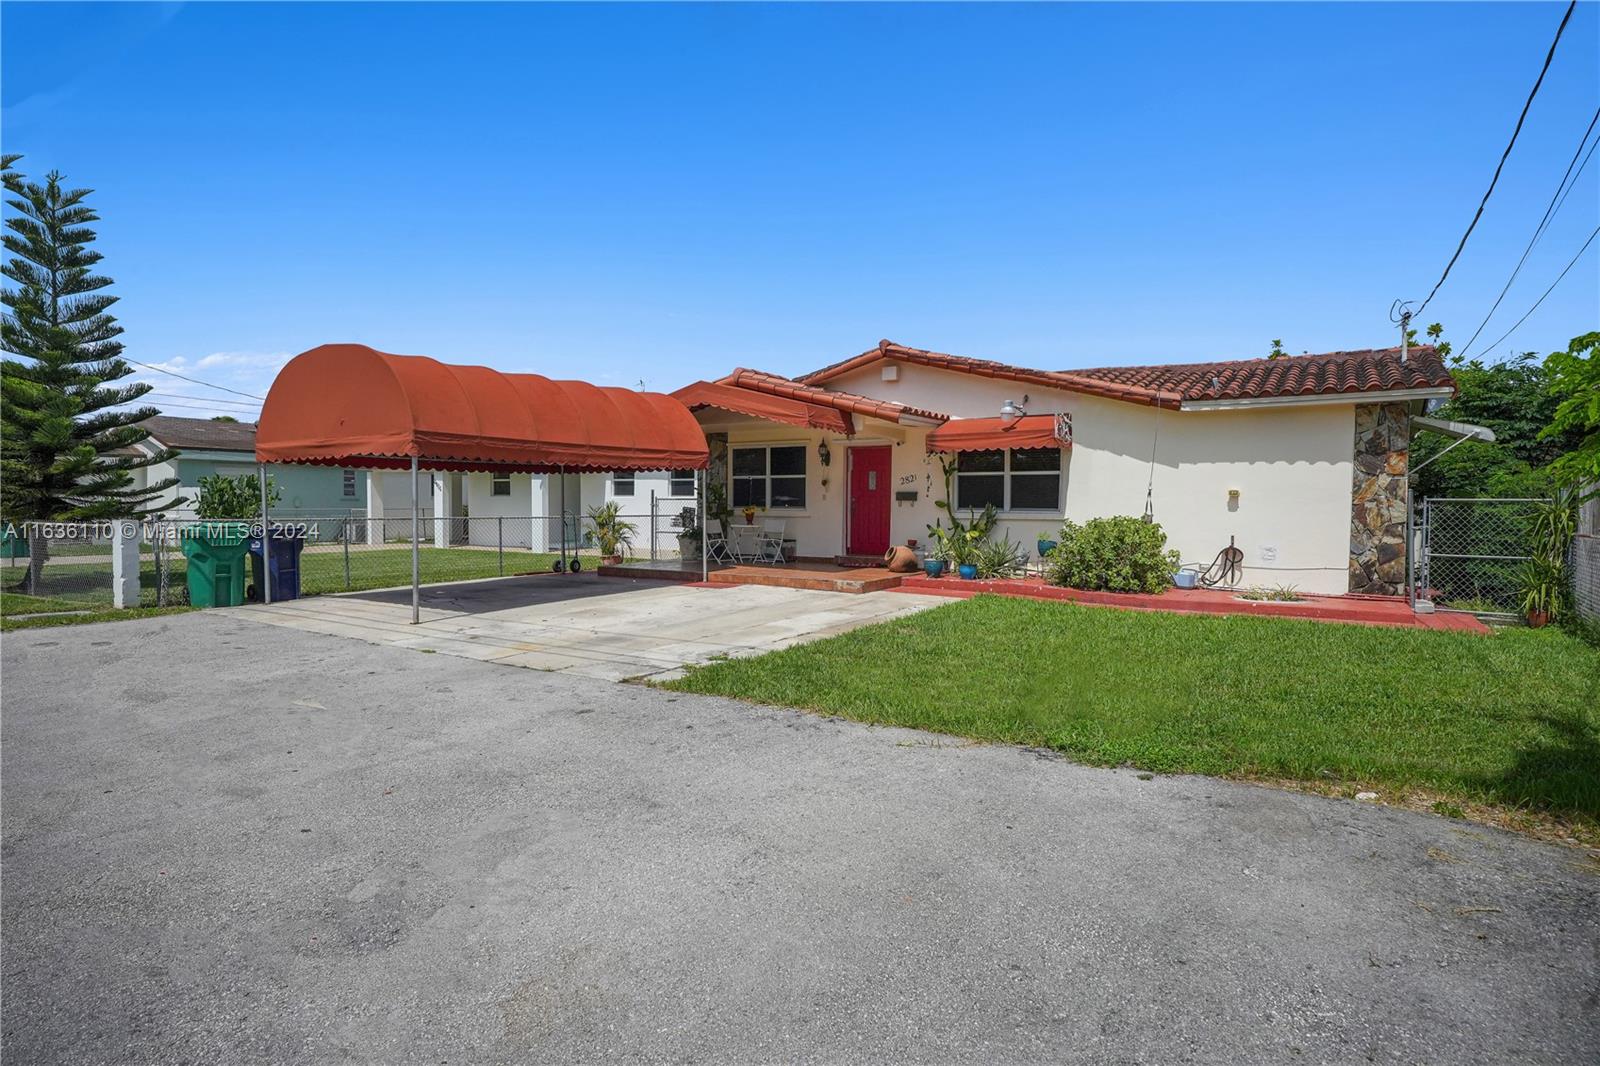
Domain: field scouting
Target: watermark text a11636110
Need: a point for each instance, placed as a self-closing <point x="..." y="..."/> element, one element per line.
<point x="95" y="532"/>
<point x="72" y="531"/>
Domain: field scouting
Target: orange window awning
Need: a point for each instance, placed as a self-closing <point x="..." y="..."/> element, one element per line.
<point x="765" y="406"/>
<point x="987" y="434"/>
<point x="350" y="405"/>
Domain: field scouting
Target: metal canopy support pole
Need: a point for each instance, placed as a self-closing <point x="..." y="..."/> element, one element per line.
<point x="561" y="472"/>
<point x="705" y="528"/>
<point x="416" y="569"/>
<point x="266" y="550"/>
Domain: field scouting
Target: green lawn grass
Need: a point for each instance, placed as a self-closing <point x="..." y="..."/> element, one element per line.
<point x="10" y="622"/>
<point x="1511" y="719"/>
<point x="79" y="585"/>
<point x="12" y="603"/>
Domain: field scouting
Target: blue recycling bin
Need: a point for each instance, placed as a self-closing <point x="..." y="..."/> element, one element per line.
<point x="283" y="567"/>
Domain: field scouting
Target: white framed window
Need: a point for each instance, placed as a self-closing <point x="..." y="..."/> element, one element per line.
<point x="682" y="483"/>
<point x="499" y="484"/>
<point x="769" y="475"/>
<point x="622" y="483"/>
<point x="349" y="484"/>
<point x="1013" y="479"/>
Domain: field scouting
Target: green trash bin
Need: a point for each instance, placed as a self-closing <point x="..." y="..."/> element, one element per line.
<point x="217" y="553"/>
<point x="13" y="545"/>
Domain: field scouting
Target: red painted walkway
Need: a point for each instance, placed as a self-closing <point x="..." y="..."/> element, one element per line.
<point x="1362" y="610"/>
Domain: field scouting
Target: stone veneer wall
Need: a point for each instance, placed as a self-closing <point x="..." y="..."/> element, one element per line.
<point x="1378" y="499"/>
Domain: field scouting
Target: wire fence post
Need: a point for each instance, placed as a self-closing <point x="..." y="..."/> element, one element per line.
<point x="350" y="520"/>
<point x="500" y="540"/>
<point x="652" y="525"/>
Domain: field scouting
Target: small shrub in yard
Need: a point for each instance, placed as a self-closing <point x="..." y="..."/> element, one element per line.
<point x="1120" y="554"/>
<point x="1001" y="558"/>
<point x="1274" y="593"/>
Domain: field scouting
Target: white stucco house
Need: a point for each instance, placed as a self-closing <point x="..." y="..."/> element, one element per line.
<point x="1299" y="461"/>
<point x="524" y="510"/>
<point x="206" y="446"/>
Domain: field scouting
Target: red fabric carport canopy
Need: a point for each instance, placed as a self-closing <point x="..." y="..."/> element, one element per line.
<point x="349" y="405"/>
<point x="765" y="406"/>
<point x="987" y="434"/>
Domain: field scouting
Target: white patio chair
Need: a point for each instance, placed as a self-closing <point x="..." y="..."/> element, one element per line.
<point x="717" y="548"/>
<point x="769" y="544"/>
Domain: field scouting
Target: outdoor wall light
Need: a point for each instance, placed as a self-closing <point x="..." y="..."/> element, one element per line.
<point x="1011" y="410"/>
<point x="824" y="456"/>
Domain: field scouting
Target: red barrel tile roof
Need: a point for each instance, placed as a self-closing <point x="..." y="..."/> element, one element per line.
<point x="1367" y="370"/>
<point x="1364" y="370"/>
<point x="777" y="385"/>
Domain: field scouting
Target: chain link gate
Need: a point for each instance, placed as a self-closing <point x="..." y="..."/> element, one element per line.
<point x="1469" y="552"/>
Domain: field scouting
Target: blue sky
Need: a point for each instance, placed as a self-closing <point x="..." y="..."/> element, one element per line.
<point x="664" y="192"/>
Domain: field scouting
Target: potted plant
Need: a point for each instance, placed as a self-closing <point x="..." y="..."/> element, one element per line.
<point x="750" y="513"/>
<point x="717" y="509"/>
<point x="612" y="532"/>
<point x="1543" y="577"/>
<point x="964" y="553"/>
<point x="933" y="562"/>
<point x="1541" y="583"/>
<point x="689" y="532"/>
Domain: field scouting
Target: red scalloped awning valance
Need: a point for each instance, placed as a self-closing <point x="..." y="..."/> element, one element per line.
<point x="987" y="434"/>
<point x="350" y="405"/>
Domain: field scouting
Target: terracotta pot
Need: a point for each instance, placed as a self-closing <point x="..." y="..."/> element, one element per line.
<point x="612" y="560"/>
<point x="901" y="560"/>
<point x="1538" y="619"/>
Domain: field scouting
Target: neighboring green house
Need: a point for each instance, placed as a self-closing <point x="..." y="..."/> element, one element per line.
<point x="206" y="447"/>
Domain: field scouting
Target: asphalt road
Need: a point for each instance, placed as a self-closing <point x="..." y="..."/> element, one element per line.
<point x="233" y="842"/>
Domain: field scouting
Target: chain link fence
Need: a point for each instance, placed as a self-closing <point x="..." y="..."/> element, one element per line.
<point x="1585" y="561"/>
<point x="344" y="552"/>
<point x="1470" y="552"/>
<point x="58" y="567"/>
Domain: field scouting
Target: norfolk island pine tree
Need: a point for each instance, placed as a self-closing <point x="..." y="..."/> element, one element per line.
<point x="65" y="436"/>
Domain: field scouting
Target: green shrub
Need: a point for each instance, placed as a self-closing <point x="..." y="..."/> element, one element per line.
<point x="1120" y="554"/>
<point x="222" y="496"/>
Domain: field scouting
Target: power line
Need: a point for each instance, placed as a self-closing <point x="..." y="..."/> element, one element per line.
<point x="1547" y="292"/>
<point x="164" y="404"/>
<point x="203" y="399"/>
<point x="196" y="381"/>
<point x="1503" y="155"/>
<point x="1580" y="171"/>
<point x="1557" y="198"/>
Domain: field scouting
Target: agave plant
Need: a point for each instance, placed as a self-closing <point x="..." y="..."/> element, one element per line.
<point x="1001" y="558"/>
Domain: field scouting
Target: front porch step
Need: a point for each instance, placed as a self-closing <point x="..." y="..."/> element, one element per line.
<point x="858" y="560"/>
<point x="857" y="579"/>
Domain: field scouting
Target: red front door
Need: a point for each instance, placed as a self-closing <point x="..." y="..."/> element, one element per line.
<point x="869" y="500"/>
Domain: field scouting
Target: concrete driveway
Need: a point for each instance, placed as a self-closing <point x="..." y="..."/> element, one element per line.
<point x="231" y="842"/>
<point x="602" y="627"/>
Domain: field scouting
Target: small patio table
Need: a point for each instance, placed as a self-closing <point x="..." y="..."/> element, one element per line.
<point x="744" y="541"/>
